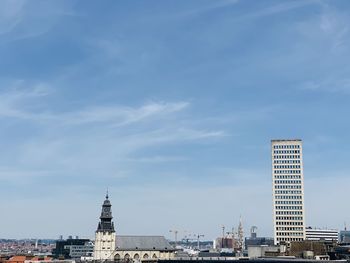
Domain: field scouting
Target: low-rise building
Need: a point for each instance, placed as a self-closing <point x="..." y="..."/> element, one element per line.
<point x="344" y="237"/>
<point x="258" y="241"/>
<point x="73" y="248"/>
<point x="258" y="251"/>
<point x="319" y="234"/>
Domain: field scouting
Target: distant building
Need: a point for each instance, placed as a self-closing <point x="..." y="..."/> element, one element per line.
<point x="258" y="251"/>
<point x="48" y="260"/>
<point x="73" y="248"/>
<point x="298" y="249"/>
<point x="35" y="259"/>
<point x="17" y="259"/>
<point x="256" y="241"/>
<point x="318" y="234"/>
<point x="288" y="190"/>
<point x="344" y="236"/>
<point x="225" y="242"/>
<point x="112" y="247"/>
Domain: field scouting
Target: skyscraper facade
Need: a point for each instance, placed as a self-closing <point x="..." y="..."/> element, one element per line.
<point x="288" y="190"/>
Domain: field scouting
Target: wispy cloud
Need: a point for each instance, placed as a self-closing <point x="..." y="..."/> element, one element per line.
<point x="86" y="139"/>
<point x="11" y="105"/>
<point x="120" y="116"/>
<point x="278" y="8"/>
<point x="10" y="14"/>
<point x="20" y="19"/>
<point x="330" y="84"/>
<point x="207" y="8"/>
<point x="335" y="26"/>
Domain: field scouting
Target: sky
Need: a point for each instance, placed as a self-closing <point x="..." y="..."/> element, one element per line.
<point x="171" y="105"/>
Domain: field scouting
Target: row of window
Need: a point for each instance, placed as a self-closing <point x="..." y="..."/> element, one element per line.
<point x="127" y="257"/>
<point x="287" y="181"/>
<point x="287" y="171"/>
<point x="288" y="197"/>
<point x="290" y="146"/>
<point x="287" y="186"/>
<point x="278" y="207"/>
<point x="289" y="223"/>
<point x="292" y="192"/>
<point x="287" y="176"/>
<point x="281" y="228"/>
<point x="289" y="239"/>
<point x="288" y="202"/>
<point x="285" y="151"/>
<point x="286" y="157"/>
<point x="289" y="234"/>
<point x="289" y="218"/>
<point x="289" y="212"/>
<point x="286" y="161"/>
<point x="286" y="166"/>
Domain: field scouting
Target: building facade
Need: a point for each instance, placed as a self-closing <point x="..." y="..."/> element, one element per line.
<point x="288" y="190"/>
<point x="344" y="236"/>
<point x="112" y="247"/>
<point x="139" y="248"/>
<point x="72" y="248"/>
<point x="319" y="234"/>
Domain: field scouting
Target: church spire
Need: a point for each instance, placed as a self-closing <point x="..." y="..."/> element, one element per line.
<point x="106" y="224"/>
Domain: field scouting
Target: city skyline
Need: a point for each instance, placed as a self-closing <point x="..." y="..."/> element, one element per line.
<point x="171" y="106"/>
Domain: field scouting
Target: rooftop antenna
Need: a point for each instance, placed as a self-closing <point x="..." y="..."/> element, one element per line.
<point x="345" y="226"/>
<point x="107" y="193"/>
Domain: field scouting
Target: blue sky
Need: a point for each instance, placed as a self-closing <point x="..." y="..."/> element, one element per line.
<point x="172" y="106"/>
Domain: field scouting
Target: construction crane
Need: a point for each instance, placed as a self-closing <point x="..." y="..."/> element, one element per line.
<point x="223" y="231"/>
<point x="198" y="237"/>
<point x="188" y="237"/>
<point x="240" y="234"/>
<point x="175" y="235"/>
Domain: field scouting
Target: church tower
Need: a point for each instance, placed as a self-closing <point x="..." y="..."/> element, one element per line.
<point x="105" y="233"/>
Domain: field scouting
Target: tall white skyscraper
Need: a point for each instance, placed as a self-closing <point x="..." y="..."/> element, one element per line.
<point x="288" y="190"/>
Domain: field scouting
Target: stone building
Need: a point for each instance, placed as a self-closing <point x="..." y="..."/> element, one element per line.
<point x="143" y="247"/>
<point x="105" y="236"/>
<point x="111" y="247"/>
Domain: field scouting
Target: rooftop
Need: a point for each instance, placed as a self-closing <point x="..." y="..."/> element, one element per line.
<point x="286" y="140"/>
<point x="142" y="243"/>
